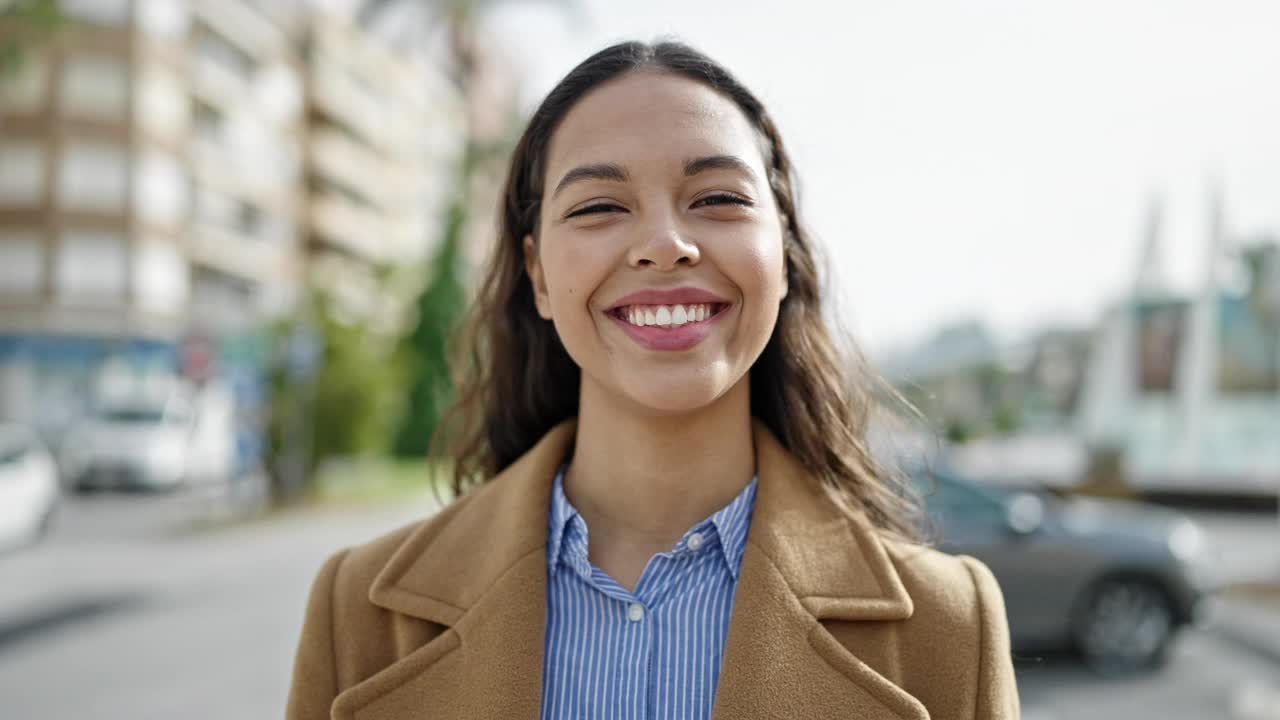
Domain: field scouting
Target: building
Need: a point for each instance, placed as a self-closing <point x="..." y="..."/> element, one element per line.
<point x="149" y="193"/>
<point x="1187" y="388"/>
<point x="382" y="142"/>
<point x="1182" y="390"/>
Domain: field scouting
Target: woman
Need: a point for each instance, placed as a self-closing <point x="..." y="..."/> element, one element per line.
<point x="680" y="518"/>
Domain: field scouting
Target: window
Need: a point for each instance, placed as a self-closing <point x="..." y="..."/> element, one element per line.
<point x="161" y="101"/>
<point x="208" y="121"/>
<point x="110" y="13"/>
<point x="161" y="279"/>
<point x="161" y="188"/>
<point x="91" y="267"/>
<point x="277" y="229"/>
<point x="1248" y="347"/>
<point x="1161" y="328"/>
<point x="215" y="208"/>
<point x="163" y="19"/>
<point x="220" y="299"/>
<point x="15" y="445"/>
<point x="21" y="262"/>
<point x="229" y="214"/>
<point x="93" y="176"/>
<point x="96" y="85"/>
<point x="957" y="503"/>
<point x="209" y="44"/>
<point x="22" y="173"/>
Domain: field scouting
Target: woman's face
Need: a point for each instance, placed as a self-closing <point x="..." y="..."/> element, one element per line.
<point x="659" y="256"/>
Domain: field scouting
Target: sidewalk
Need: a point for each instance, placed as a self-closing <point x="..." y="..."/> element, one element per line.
<point x="81" y="574"/>
<point x="1250" y="621"/>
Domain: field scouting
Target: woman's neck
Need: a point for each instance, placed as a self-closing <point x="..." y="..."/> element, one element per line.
<point x="640" y="481"/>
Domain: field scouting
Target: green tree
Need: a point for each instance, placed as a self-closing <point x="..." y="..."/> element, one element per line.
<point x="335" y="389"/>
<point x="425" y="350"/>
<point x="24" y="24"/>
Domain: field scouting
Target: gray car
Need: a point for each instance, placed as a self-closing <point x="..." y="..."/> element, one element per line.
<point x="1115" y="581"/>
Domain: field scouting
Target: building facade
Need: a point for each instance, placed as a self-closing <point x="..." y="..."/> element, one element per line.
<point x="150" y="160"/>
<point x="382" y="142"/>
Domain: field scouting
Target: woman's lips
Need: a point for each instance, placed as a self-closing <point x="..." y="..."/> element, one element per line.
<point x="671" y="338"/>
<point x="671" y="296"/>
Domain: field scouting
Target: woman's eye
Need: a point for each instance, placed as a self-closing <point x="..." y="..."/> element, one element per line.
<point x="594" y="209"/>
<point x="723" y="199"/>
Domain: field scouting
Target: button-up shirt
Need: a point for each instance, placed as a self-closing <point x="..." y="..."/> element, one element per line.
<point x="649" y="654"/>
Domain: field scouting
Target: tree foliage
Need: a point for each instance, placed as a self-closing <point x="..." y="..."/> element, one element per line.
<point x="344" y="402"/>
<point x="425" y="350"/>
<point x="24" y="24"/>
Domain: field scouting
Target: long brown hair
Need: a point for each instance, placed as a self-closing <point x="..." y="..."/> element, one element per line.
<point x="516" y="380"/>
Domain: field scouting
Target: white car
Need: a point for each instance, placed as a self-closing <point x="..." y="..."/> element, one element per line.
<point x="150" y="443"/>
<point x="28" y="487"/>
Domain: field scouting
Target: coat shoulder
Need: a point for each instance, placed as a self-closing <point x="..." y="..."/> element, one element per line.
<point x="940" y="585"/>
<point x="957" y="604"/>
<point x="349" y="636"/>
<point x="361" y="564"/>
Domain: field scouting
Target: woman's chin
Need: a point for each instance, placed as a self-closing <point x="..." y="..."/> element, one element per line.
<point x="675" y="398"/>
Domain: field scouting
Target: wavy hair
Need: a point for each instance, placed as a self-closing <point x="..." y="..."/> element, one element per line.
<point x="516" y="380"/>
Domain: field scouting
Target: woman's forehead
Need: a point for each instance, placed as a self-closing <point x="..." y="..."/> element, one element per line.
<point x="651" y="119"/>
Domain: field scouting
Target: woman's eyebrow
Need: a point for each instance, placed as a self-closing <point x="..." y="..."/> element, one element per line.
<point x="718" y="162"/>
<point x="597" y="171"/>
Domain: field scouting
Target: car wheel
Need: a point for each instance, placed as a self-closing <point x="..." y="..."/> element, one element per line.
<point x="1124" y="625"/>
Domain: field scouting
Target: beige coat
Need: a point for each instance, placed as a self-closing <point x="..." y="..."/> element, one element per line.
<point x="444" y="618"/>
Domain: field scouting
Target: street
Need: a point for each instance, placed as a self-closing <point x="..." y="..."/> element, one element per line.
<point x="126" y="612"/>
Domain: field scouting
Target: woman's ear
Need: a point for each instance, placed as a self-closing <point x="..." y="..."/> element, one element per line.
<point x="533" y="268"/>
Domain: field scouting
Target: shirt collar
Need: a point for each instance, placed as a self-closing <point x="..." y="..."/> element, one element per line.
<point x="562" y="512"/>
<point x="730" y="524"/>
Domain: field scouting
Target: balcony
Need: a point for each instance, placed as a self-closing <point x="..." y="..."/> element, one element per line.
<point x="356" y="231"/>
<point x="236" y="254"/>
<point x="342" y="161"/>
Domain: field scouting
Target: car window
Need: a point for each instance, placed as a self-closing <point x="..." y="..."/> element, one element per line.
<point x="13" y="447"/>
<point x="956" y="501"/>
<point x="127" y="414"/>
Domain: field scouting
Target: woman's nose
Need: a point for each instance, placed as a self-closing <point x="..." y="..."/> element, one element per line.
<point x="664" y="248"/>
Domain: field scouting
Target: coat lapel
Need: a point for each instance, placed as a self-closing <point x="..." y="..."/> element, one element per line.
<point x="806" y="563"/>
<point x="479" y="572"/>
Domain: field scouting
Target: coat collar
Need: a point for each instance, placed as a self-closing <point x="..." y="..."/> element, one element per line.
<point x="480" y="570"/>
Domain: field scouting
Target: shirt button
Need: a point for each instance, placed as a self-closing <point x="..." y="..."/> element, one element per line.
<point x="695" y="541"/>
<point x="635" y="613"/>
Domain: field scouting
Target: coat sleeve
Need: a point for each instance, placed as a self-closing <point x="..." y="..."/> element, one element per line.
<point x="315" y="683"/>
<point x="997" y="692"/>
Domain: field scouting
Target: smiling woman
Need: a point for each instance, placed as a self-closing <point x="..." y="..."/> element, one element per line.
<point x="668" y="507"/>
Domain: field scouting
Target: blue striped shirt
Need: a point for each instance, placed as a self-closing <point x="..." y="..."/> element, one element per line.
<point x="652" y="654"/>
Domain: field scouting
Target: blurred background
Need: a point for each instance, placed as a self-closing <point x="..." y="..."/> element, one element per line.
<point x="235" y="236"/>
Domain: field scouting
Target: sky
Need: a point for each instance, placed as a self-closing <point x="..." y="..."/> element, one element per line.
<point x="989" y="160"/>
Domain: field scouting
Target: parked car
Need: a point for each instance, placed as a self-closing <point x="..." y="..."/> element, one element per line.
<point x="153" y="443"/>
<point x="28" y="487"/>
<point x="1116" y="581"/>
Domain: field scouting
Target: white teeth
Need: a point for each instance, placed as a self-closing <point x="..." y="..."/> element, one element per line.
<point x="667" y="315"/>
